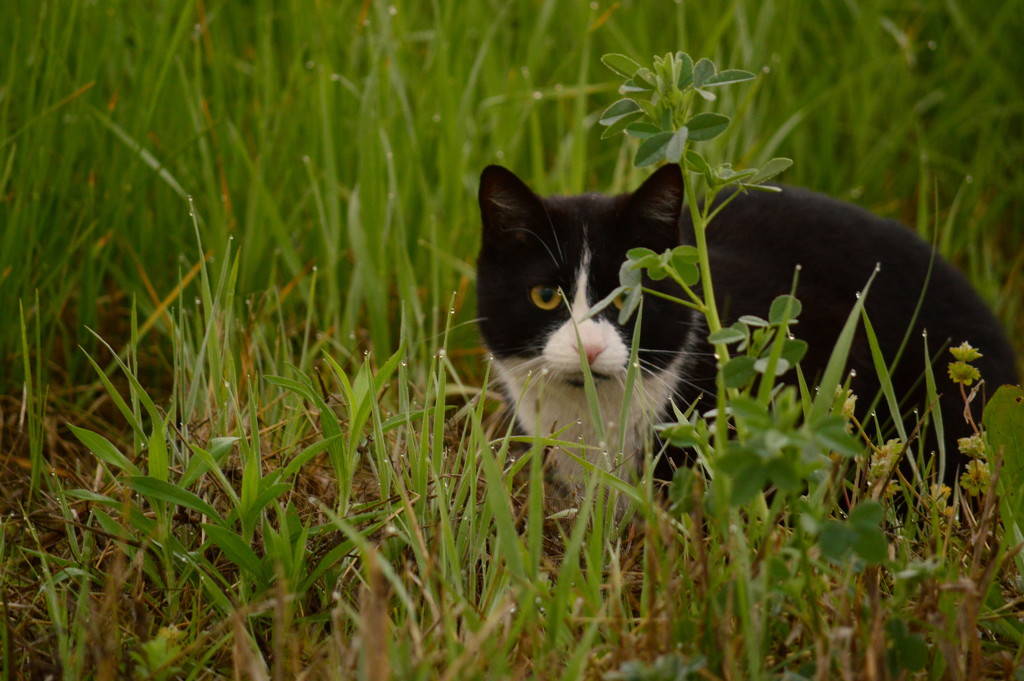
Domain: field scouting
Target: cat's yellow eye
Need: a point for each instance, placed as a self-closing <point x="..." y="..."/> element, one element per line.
<point x="546" y="297"/>
<point x="619" y="300"/>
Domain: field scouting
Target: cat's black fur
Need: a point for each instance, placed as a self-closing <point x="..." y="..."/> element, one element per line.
<point x="754" y="245"/>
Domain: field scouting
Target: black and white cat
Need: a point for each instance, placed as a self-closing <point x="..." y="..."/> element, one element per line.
<point x="545" y="261"/>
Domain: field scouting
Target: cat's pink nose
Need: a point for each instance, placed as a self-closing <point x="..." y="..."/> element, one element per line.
<point x="592" y="351"/>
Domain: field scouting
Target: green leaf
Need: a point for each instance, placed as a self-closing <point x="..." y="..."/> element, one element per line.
<point x="620" y="64"/>
<point x="747" y="482"/>
<point x="652" y="150"/>
<point x="234" y="549"/>
<point x="739" y="371"/>
<point x="752" y="412"/>
<point x="753" y="320"/>
<point x="631" y="86"/>
<point x="831" y="434"/>
<point x="620" y="125"/>
<point x="642" y="130"/>
<point x="645" y="76"/>
<point x="697" y="164"/>
<point x="630" y="275"/>
<point x="685" y="70"/>
<point x="685" y="254"/>
<point x="778" y="312"/>
<point x="104" y="450"/>
<point x="725" y="174"/>
<point x="702" y="71"/>
<point x="707" y="125"/>
<point x="793" y="350"/>
<point x="606" y="301"/>
<point x="676" y="146"/>
<point x="681" y="434"/>
<point x="861" y="534"/>
<point x="867" y="515"/>
<point x="871" y="546"/>
<point x="781" y="367"/>
<point x="680" y="491"/>
<point x="619" y="109"/>
<point x="836" y="541"/>
<point x="636" y="255"/>
<point x="728" y="77"/>
<point x="153" y="488"/>
<point x="726" y="335"/>
<point x="629" y="304"/>
<point x="770" y="170"/>
<point x="1004" y="426"/>
<point x="907" y="651"/>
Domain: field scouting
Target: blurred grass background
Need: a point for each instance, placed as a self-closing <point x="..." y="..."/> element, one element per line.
<point x="337" y="145"/>
<point x="224" y="195"/>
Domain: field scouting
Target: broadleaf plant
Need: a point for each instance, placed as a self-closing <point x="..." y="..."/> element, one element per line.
<point x="772" y="444"/>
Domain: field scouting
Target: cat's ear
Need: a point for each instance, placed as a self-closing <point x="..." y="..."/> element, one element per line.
<point x="508" y="207"/>
<point x="654" y="208"/>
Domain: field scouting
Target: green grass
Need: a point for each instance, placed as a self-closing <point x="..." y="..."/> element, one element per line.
<point x="249" y="433"/>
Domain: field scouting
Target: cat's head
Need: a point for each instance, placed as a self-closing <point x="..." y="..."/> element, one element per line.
<point x="545" y="261"/>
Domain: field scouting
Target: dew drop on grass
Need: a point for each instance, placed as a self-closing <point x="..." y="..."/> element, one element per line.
<point x="853" y="373"/>
<point x="336" y="77"/>
<point x="392" y="10"/>
<point x="579" y="422"/>
<point x="538" y="94"/>
<point x="799" y="267"/>
<point x="451" y="310"/>
<point x="442" y="353"/>
<point x="404" y="364"/>
<point x="544" y="371"/>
